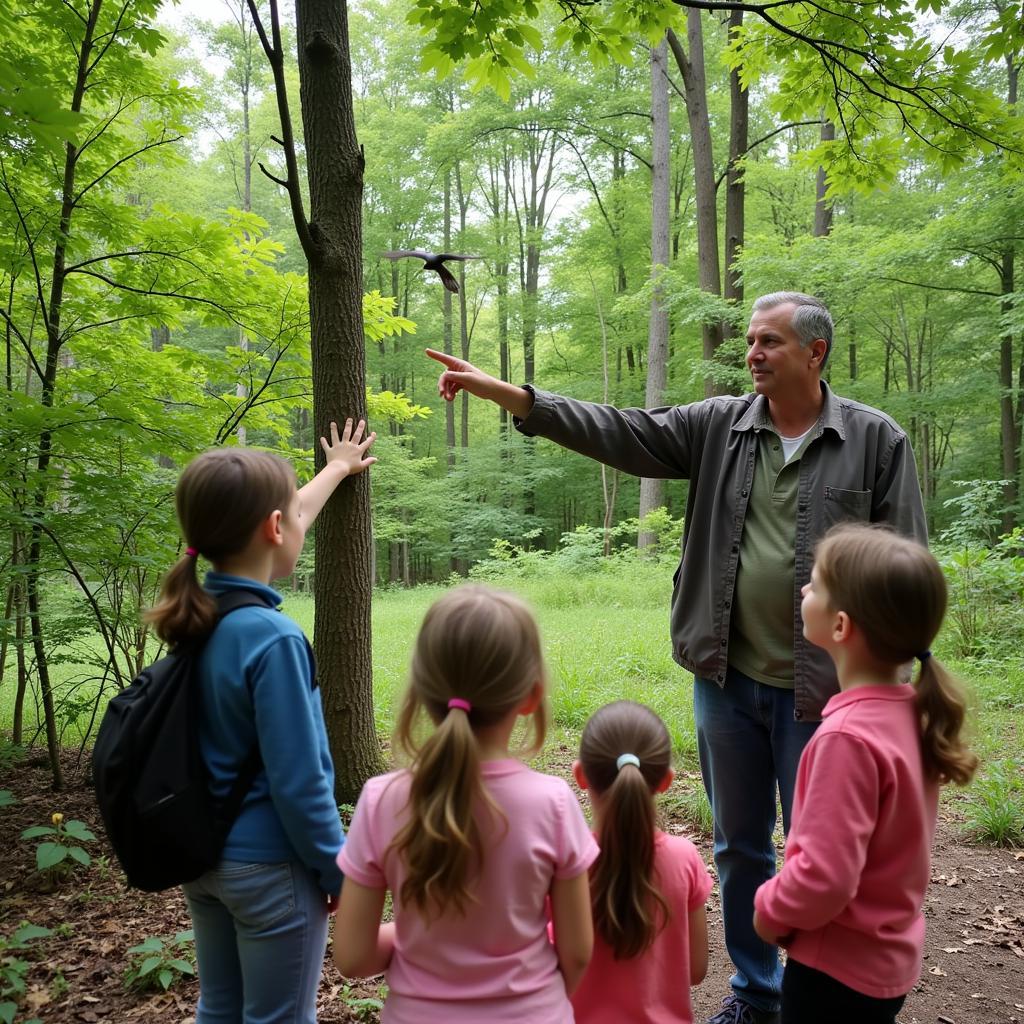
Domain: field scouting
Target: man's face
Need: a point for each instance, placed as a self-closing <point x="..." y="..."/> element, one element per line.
<point x="779" y="366"/>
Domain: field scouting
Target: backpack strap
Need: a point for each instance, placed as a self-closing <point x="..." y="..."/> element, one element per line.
<point x="228" y="602"/>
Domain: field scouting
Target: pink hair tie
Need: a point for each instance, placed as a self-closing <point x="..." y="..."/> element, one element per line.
<point x="191" y="553"/>
<point x="462" y="705"/>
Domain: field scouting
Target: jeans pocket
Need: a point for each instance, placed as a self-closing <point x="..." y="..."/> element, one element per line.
<point x="257" y="895"/>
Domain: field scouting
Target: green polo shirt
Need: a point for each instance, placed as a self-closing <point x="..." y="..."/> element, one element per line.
<point x="761" y="628"/>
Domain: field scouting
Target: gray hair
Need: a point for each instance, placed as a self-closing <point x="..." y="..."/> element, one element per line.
<point x="811" y="318"/>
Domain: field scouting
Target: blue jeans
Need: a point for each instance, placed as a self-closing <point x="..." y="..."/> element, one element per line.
<point x="261" y="934"/>
<point x="749" y="744"/>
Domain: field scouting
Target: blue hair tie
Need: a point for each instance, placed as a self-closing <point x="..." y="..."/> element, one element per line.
<point x="623" y="759"/>
<point x="924" y="656"/>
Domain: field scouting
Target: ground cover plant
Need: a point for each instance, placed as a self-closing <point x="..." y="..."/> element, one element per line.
<point x="117" y="955"/>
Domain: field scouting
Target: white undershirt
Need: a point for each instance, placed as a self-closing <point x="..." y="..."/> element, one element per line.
<point x="791" y="444"/>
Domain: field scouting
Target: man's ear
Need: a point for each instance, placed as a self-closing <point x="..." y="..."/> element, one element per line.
<point x="818" y="349"/>
<point x="532" y="701"/>
<point x="665" y="782"/>
<point x="271" y="528"/>
<point x="580" y="776"/>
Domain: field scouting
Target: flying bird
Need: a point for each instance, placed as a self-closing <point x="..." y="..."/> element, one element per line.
<point x="433" y="261"/>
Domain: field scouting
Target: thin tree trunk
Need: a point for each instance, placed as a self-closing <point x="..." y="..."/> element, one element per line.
<point x="735" y="190"/>
<point x="822" y="206"/>
<point x="709" y="275"/>
<point x="652" y="492"/>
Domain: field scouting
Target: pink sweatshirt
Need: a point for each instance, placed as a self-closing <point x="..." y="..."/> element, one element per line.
<point x="858" y="854"/>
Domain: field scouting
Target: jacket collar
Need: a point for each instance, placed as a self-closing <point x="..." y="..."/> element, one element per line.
<point x="831" y="418"/>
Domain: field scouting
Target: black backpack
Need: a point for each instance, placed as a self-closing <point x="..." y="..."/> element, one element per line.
<point x="152" y="785"/>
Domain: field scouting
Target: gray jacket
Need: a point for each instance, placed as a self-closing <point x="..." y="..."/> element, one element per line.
<point x="857" y="465"/>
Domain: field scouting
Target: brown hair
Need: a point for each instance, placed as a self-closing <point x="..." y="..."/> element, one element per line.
<point x="482" y="646"/>
<point x="629" y="910"/>
<point x="894" y="591"/>
<point x="221" y="498"/>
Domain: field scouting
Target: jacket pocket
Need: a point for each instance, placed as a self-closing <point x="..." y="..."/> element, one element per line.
<point x="842" y="505"/>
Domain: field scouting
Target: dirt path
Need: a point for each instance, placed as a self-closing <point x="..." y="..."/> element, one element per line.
<point x="973" y="973"/>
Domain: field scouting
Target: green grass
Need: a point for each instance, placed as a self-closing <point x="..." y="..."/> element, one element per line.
<point x="606" y="637"/>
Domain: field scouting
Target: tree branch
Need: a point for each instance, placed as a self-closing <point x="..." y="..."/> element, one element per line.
<point x="939" y="287"/>
<point x="275" y="55"/>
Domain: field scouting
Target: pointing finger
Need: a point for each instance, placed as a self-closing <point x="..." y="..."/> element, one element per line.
<point x="452" y="362"/>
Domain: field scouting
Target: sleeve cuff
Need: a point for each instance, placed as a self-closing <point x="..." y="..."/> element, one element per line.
<point x="533" y="423"/>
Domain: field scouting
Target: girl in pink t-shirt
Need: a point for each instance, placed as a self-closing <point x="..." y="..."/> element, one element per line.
<point x="847" y="903"/>
<point x="647" y="889"/>
<point x="472" y="844"/>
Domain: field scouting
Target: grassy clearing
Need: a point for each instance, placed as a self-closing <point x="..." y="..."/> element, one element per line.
<point x="606" y="637"/>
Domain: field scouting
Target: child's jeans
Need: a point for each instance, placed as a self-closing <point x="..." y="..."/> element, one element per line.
<point x="261" y="934"/>
<point x="810" y="997"/>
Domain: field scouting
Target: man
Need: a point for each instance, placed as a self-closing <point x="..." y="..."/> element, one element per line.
<point x="769" y="473"/>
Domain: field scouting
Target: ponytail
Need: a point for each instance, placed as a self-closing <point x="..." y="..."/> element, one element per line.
<point x="441" y="843"/>
<point x="222" y="497"/>
<point x="477" y="659"/>
<point x="185" y="610"/>
<point x="629" y="910"/>
<point x="628" y="907"/>
<point x="942" y="709"/>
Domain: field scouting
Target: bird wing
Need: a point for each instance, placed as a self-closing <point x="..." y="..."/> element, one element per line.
<point x="397" y="254"/>
<point x="447" y="278"/>
<point x="455" y="256"/>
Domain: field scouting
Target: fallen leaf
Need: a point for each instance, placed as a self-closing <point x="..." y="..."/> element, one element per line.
<point x="938" y="971"/>
<point x="951" y="949"/>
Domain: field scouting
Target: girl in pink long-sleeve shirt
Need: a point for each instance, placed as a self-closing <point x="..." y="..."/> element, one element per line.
<point x="848" y="901"/>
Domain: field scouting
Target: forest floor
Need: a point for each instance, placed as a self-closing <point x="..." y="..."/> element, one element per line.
<point x="973" y="970"/>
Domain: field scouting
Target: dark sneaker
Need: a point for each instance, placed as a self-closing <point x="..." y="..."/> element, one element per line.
<point x="735" y="1011"/>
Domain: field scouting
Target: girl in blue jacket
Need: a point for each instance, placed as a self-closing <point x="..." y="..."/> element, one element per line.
<point x="260" y="917"/>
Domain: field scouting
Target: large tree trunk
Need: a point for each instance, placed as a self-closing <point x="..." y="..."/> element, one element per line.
<point x="652" y="492"/>
<point x="344" y="546"/>
<point x="709" y="275"/>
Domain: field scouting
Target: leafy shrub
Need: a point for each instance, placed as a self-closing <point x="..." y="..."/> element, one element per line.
<point x="13" y="969"/>
<point x="159" y="964"/>
<point x="995" y="807"/>
<point x="57" y="856"/>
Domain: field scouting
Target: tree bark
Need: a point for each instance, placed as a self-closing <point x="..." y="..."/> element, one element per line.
<point x="823" y="207"/>
<point x="344" y="547"/>
<point x="652" y="492"/>
<point x="735" y="190"/>
<point x="709" y="275"/>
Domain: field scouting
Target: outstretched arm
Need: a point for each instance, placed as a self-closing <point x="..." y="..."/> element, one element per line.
<point x="346" y="456"/>
<point x="462" y="376"/>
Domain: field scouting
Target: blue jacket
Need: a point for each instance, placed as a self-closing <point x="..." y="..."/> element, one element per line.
<point x="257" y="678"/>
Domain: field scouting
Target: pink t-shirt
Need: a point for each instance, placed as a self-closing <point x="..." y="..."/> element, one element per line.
<point x="654" y="987"/>
<point x="858" y="854"/>
<point x="495" y="963"/>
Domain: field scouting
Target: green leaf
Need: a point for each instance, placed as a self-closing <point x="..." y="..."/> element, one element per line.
<point x="38" y="830"/>
<point x="78" y="830"/>
<point x="182" y="965"/>
<point x="28" y="932"/>
<point x="151" y="963"/>
<point x="7" y="798"/>
<point x="7" y="1012"/>
<point x="181" y="938"/>
<point x="151" y="944"/>
<point x="165" y="977"/>
<point x="77" y="853"/>
<point x="49" y="855"/>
